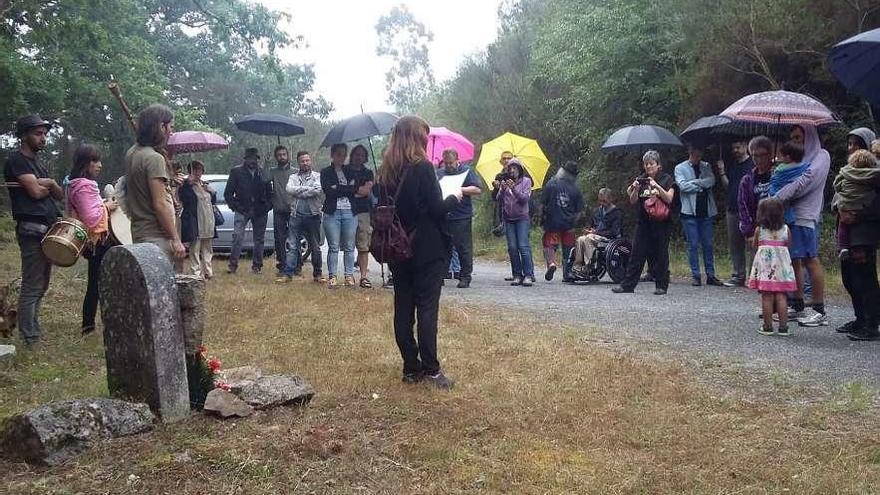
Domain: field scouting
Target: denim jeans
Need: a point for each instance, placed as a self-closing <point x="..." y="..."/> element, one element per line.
<point x="518" y="248"/>
<point x="340" y="228"/>
<point x="35" y="272"/>
<point x="258" y="223"/>
<point x="308" y="228"/>
<point x="698" y="232"/>
<point x="280" y="221"/>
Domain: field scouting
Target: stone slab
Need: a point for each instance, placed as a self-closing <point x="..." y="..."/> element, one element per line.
<point x="226" y="404"/>
<point x="142" y="333"/>
<point x="55" y="432"/>
<point x="275" y="390"/>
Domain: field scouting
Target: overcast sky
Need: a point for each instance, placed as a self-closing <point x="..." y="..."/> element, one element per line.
<point x="341" y="43"/>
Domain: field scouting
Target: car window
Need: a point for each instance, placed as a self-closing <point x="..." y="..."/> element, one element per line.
<point x="219" y="186"/>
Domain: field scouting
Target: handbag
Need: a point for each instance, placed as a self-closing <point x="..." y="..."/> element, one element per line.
<point x="218" y="216"/>
<point x="390" y="242"/>
<point x="656" y="209"/>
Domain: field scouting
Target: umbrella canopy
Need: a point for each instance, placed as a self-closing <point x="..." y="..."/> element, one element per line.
<point x="441" y="138"/>
<point x="781" y="107"/>
<point x="527" y="150"/>
<point x="361" y="126"/>
<point x="704" y="129"/>
<point x="195" y="142"/>
<point x="639" y="138"/>
<point x="856" y="62"/>
<point x="270" y="124"/>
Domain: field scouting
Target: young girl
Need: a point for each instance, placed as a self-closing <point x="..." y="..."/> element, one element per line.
<point x="772" y="274"/>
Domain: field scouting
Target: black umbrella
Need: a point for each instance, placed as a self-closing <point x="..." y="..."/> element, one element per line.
<point x="270" y="124"/>
<point x="706" y="128"/>
<point x="856" y="62"/>
<point x="361" y="126"/>
<point x="640" y="137"/>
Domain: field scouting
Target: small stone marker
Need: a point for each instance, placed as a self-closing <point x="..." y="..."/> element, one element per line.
<point x="7" y="352"/>
<point x="226" y="404"/>
<point x="142" y="332"/>
<point x="274" y="390"/>
<point x="55" y="432"/>
<point x="191" y="294"/>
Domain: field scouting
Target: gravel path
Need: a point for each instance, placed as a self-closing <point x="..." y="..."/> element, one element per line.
<point x="707" y="324"/>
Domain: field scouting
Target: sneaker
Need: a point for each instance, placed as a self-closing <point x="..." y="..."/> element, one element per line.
<point x="792" y="315"/>
<point x="517" y="281"/>
<point x="439" y="380"/>
<point x="712" y="280"/>
<point x="548" y="276"/>
<point x="766" y="330"/>
<point x="332" y="283"/>
<point x="865" y="334"/>
<point x="411" y="378"/>
<point x="256" y="270"/>
<point x="284" y="279"/>
<point x="464" y="283"/>
<point x="848" y="327"/>
<point x="843" y="255"/>
<point x="734" y="282"/>
<point x="696" y="282"/>
<point x="647" y="278"/>
<point x="528" y="281"/>
<point x="509" y="279"/>
<point x="813" y="319"/>
<point x="783" y="331"/>
<point x="621" y="290"/>
<point x="659" y="292"/>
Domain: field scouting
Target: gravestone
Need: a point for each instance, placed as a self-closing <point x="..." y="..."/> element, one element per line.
<point x="191" y="294"/>
<point x="142" y="332"/>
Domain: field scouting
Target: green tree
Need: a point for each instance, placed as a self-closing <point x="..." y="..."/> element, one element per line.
<point x="407" y="42"/>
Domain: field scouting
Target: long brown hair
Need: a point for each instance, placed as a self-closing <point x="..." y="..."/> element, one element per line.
<point x="84" y="155"/>
<point x="150" y="122"/>
<point x="771" y="214"/>
<point x="407" y="146"/>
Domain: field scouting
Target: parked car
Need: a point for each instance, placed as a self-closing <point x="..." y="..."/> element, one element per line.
<point x="223" y="242"/>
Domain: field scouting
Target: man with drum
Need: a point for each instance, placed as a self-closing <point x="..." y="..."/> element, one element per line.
<point x="32" y="193"/>
<point x="148" y="196"/>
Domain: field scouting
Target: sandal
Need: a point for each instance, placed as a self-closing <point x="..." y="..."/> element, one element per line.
<point x="349" y="281"/>
<point x="331" y="282"/>
<point x="366" y="284"/>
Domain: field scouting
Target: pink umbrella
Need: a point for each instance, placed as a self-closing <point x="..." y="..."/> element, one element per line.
<point x="441" y="138"/>
<point x="195" y="142"/>
<point x="781" y="107"/>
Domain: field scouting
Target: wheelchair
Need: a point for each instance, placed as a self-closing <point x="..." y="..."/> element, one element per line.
<point x="610" y="257"/>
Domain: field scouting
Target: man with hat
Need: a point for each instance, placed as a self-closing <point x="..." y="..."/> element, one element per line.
<point x="248" y="196"/>
<point x="562" y="204"/>
<point x="32" y="193"/>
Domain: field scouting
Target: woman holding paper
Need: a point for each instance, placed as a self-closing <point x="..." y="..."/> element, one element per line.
<point x="407" y="176"/>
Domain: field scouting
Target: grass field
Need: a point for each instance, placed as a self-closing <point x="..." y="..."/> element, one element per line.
<point x="537" y="409"/>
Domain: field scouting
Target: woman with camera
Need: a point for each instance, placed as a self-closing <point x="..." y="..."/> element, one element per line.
<point x="407" y="181"/>
<point x="653" y="191"/>
<point x="514" y="192"/>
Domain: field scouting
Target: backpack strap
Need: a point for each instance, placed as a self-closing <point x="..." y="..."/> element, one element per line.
<point x="403" y="177"/>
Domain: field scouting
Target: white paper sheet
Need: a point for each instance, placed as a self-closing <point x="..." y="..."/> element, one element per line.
<point x="450" y="185"/>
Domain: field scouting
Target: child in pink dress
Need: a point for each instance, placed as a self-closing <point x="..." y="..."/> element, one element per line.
<point x="772" y="273"/>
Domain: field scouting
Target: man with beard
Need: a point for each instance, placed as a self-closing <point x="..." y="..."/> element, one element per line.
<point x="281" y="202"/>
<point x="31" y="193"/>
<point x="459" y="220"/>
<point x="247" y="195"/>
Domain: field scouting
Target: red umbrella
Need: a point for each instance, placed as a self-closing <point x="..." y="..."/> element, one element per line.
<point x="195" y="142"/>
<point x="781" y="107"/>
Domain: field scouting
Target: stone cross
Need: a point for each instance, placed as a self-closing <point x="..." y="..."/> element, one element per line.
<point x="142" y="331"/>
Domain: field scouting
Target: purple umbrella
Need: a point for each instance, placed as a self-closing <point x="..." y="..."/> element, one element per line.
<point x="195" y="142"/>
<point x="781" y="107"/>
<point x="441" y="138"/>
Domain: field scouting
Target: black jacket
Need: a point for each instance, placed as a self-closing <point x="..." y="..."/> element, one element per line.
<point x="612" y="226"/>
<point x="248" y="194"/>
<point x="334" y="190"/>
<point x="421" y="207"/>
<point x="189" y="217"/>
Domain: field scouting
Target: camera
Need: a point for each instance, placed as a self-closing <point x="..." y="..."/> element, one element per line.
<point x="643" y="180"/>
<point x="504" y="176"/>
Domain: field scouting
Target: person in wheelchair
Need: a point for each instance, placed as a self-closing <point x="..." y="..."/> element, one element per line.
<point x="606" y="226"/>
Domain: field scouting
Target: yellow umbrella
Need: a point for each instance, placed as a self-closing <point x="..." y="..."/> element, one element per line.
<point x="526" y="150"/>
